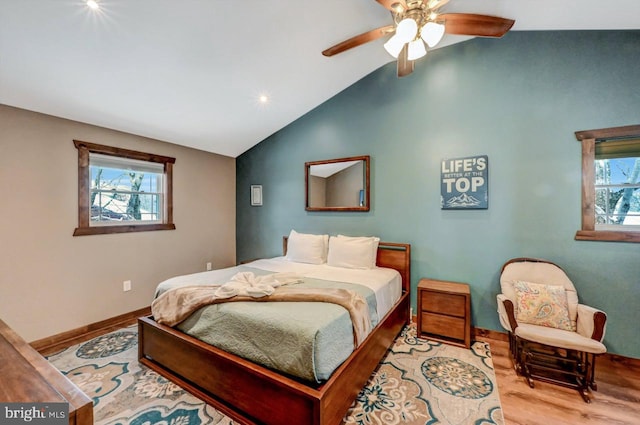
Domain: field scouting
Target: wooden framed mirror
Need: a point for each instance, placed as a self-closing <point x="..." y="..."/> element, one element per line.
<point x="337" y="184"/>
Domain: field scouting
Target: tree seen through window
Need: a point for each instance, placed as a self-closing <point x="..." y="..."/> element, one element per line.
<point x="617" y="187"/>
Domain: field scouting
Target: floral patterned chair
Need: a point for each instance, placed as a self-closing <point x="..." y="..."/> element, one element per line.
<point x="552" y="337"/>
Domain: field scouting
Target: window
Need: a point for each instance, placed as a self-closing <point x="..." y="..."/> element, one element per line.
<point x="120" y="190"/>
<point x="610" y="184"/>
<point x="124" y="190"/>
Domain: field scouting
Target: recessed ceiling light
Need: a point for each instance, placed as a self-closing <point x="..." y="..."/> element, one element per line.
<point x="263" y="98"/>
<point x="93" y="4"/>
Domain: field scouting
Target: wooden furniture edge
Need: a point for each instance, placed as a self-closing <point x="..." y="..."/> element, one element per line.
<point x="305" y="404"/>
<point x="599" y="320"/>
<point x="528" y="260"/>
<point x="174" y="354"/>
<point x="51" y="344"/>
<point x="80" y="405"/>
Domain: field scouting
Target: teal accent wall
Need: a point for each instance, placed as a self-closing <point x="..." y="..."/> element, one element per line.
<point x="518" y="100"/>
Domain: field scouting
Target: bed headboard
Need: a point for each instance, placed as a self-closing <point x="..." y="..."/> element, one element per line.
<point x="396" y="256"/>
<point x="390" y="254"/>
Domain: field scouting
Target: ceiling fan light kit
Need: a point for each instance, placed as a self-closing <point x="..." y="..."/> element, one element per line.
<point x="394" y="46"/>
<point x="406" y="30"/>
<point x="432" y="33"/>
<point x="419" y="21"/>
<point x="416" y="50"/>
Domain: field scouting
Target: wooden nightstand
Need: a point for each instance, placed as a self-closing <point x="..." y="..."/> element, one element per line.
<point x="444" y="312"/>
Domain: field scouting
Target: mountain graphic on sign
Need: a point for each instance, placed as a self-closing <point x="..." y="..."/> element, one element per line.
<point x="463" y="200"/>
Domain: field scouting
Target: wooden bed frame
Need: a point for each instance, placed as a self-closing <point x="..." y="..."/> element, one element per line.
<point x="252" y="394"/>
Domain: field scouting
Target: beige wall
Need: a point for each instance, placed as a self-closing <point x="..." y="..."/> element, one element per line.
<point x="317" y="191"/>
<point x="343" y="188"/>
<point x="50" y="281"/>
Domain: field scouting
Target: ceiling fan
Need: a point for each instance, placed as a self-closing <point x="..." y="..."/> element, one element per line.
<point x="417" y="22"/>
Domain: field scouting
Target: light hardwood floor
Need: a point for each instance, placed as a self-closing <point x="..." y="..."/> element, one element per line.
<point x="617" y="400"/>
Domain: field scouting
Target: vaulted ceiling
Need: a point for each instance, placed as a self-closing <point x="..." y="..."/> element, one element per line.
<point x="192" y="72"/>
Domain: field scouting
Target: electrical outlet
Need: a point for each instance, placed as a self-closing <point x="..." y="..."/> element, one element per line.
<point x="126" y="285"/>
<point x="208" y="266"/>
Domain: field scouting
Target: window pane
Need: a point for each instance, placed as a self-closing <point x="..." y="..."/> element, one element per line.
<point x="109" y="179"/>
<point x="119" y="194"/>
<point x="118" y="206"/>
<point x="618" y="205"/>
<point x="603" y="171"/>
<point x="617" y="170"/>
<point x="617" y="185"/>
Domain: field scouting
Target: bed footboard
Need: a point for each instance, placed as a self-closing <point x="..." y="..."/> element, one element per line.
<point x="252" y="394"/>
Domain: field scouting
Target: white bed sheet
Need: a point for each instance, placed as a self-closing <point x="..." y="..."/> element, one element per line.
<point x="384" y="282"/>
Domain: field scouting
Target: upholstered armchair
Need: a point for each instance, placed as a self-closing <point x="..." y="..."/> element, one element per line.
<point x="552" y="337"/>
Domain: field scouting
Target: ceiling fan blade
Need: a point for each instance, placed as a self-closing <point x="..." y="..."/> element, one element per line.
<point x="405" y="66"/>
<point x="387" y="4"/>
<point x="358" y="40"/>
<point x="477" y="25"/>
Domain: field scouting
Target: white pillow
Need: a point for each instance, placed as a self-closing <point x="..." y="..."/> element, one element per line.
<point x="307" y="248"/>
<point x="374" y="244"/>
<point x="353" y="252"/>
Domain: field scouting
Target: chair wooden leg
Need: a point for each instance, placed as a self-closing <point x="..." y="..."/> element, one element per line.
<point x="526" y="359"/>
<point x="591" y="371"/>
<point x="585" y="395"/>
<point x="514" y="351"/>
<point x="527" y="375"/>
<point x="570" y="368"/>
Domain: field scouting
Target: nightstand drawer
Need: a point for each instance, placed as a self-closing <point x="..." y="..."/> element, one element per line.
<point x="444" y="311"/>
<point x="447" y="326"/>
<point x="438" y="302"/>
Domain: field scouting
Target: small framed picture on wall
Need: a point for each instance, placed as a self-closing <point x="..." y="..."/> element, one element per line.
<point x="256" y="195"/>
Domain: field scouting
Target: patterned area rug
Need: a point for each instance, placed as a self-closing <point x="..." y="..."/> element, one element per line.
<point x="418" y="382"/>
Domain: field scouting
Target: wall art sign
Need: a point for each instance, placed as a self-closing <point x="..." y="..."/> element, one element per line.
<point x="464" y="183"/>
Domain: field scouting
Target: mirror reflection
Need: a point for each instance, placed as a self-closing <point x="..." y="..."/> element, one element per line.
<point x="338" y="184"/>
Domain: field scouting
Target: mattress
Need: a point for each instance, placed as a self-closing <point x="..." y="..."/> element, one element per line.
<point x="307" y="340"/>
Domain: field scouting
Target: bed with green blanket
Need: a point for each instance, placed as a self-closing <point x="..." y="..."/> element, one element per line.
<point x="251" y="393"/>
<point x="308" y="340"/>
